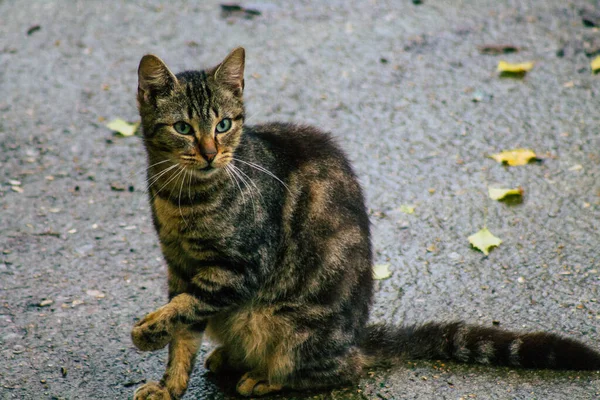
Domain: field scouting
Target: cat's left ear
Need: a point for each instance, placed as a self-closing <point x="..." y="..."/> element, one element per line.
<point x="154" y="78"/>
<point x="230" y="72"/>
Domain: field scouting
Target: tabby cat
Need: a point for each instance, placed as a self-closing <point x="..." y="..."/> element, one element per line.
<point x="267" y="241"/>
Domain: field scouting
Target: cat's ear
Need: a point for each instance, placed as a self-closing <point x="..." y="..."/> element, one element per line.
<point x="154" y="78"/>
<point x="230" y="72"/>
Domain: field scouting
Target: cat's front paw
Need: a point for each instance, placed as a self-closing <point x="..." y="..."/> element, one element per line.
<point x="151" y="391"/>
<point x="153" y="332"/>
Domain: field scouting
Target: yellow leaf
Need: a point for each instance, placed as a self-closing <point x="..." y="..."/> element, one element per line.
<point x="521" y="68"/>
<point x="501" y="193"/>
<point x="407" y="209"/>
<point x="484" y="241"/>
<point x="122" y="127"/>
<point x="381" y="271"/>
<point x="595" y="64"/>
<point x="514" y="157"/>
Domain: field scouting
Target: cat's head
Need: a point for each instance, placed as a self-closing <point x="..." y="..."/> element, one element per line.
<point x="193" y="118"/>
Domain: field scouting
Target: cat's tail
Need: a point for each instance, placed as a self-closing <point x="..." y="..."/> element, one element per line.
<point x="475" y="344"/>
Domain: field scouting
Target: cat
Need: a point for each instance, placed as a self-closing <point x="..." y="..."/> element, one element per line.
<point x="266" y="237"/>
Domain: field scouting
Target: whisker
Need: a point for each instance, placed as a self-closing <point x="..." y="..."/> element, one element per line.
<point x="190" y="187"/>
<point x="175" y="175"/>
<point x="153" y="179"/>
<point x="250" y="192"/>
<point x="262" y="169"/>
<point x="251" y="181"/>
<point x="159" y="175"/>
<point x="134" y="173"/>
<point x="180" y="190"/>
<point x="250" y="118"/>
<point x="236" y="181"/>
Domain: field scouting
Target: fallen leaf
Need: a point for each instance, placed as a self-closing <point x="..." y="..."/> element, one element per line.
<point x="496" y="193"/>
<point x="495" y="49"/>
<point x="510" y="68"/>
<point x="514" y="157"/>
<point x="595" y="64"/>
<point x="406" y="209"/>
<point x="95" y="293"/>
<point x="431" y="248"/>
<point x="76" y="302"/>
<point x="122" y="127"/>
<point x="381" y="271"/>
<point x="484" y="240"/>
<point x="45" y="303"/>
<point x="576" y="167"/>
<point x="117" y="187"/>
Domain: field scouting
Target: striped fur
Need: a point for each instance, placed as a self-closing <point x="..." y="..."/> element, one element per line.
<point x="268" y="249"/>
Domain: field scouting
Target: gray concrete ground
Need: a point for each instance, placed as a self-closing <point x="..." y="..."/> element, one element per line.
<point x="395" y="82"/>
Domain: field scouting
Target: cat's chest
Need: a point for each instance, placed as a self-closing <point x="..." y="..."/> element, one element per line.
<point x="178" y="223"/>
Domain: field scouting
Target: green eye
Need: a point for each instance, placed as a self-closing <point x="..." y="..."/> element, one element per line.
<point x="183" y="127"/>
<point x="224" y="125"/>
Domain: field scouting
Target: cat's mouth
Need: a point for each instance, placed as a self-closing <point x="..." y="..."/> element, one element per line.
<point x="192" y="163"/>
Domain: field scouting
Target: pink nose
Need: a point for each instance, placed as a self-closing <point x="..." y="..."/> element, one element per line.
<point x="209" y="156"/>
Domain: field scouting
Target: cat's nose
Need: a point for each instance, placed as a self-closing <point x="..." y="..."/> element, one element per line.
<point x="208" y="148"/>
<point x="209" y="156"/>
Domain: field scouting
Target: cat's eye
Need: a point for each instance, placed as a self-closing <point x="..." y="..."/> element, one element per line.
<point x="224" y="125"/>
<point x="183" y="127"/>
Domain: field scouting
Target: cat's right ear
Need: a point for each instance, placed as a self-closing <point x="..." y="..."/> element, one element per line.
<point x="154" y="78"/>
<point x="230" y="72"/>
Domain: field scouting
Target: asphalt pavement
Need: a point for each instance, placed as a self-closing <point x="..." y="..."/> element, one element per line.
<point x="410" y="96"/>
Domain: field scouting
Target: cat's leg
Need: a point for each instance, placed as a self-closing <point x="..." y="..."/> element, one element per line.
<point x="218" y="361"/>
<point x="329" y="371"/>
<point x="214" y="290"/>
<point x="317" y="373"/>
<point x="182" y="354"/>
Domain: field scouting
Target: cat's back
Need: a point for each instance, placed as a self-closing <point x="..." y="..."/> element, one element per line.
<point x="297" y="145"/>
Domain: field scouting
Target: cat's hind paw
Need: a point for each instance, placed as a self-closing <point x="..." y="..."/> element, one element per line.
<point x="151" y="391"/>
<point x="253" y="385"/>
<point x="217" y="361"/>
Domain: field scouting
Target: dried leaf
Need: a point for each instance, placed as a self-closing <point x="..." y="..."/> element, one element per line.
<point x="595" y="64"/>
<point x="381" y="271"/>
<point x="521" y="68"/>
<point x="95" y="293"/>
<point x="501" y="193"/>
<point x="576" y="167"/>
<point x="484" y="240"/>
<point x="407" y="209"/>
<point x="122" y="127"/>
<point x="514" y="157"/>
